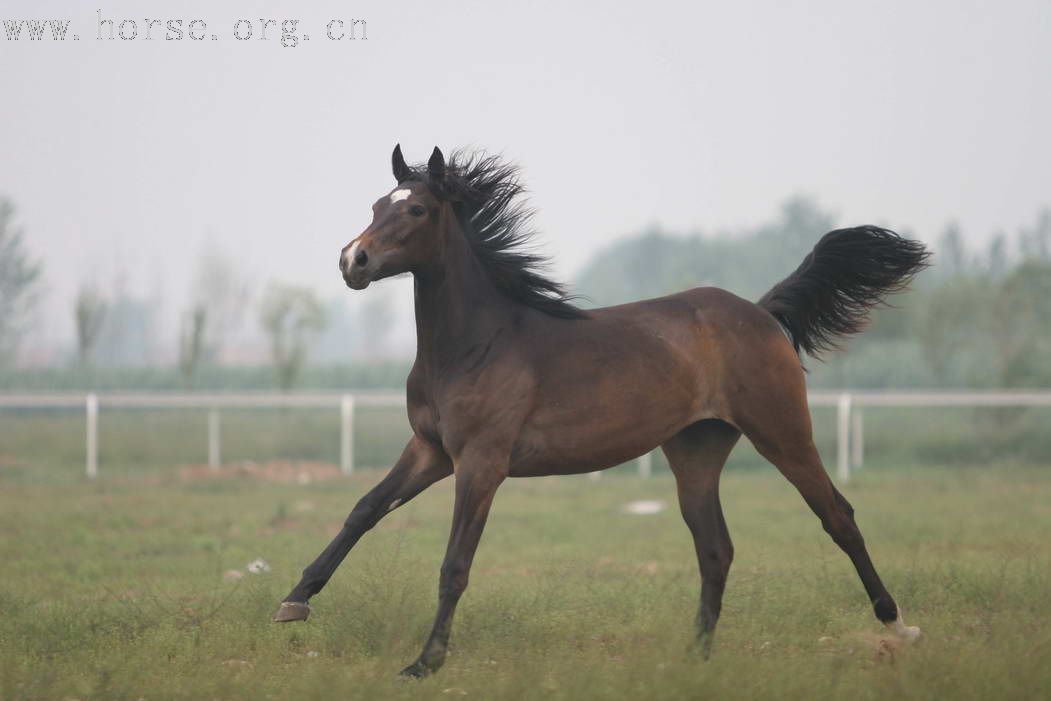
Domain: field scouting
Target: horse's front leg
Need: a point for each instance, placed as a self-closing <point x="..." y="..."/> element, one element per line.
<point x="419" y="466"/>
<point x="477" y="479"/>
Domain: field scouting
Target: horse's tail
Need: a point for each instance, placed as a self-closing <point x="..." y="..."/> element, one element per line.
<point x="831" y="292"/>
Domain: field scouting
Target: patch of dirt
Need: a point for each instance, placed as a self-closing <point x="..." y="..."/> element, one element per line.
<point x="612" y="564"/>
<point x="279" y="471"/>
<point x="880" y="648"/>
<point x="884" y="648"/>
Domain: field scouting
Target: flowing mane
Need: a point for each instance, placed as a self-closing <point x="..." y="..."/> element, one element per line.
<point x="488" y="199"/>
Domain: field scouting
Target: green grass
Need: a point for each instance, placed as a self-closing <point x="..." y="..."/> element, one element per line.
<point x="115" y="590"/>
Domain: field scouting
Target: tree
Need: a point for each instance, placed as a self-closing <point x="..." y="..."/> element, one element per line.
<point x="128" y="334"/>
<point x="218" y="299"/>
<point x="19" y="278"/>
<point x="1021" y="326"/>
<point x="192" y="343"/>
<point x="997" y="258"/>
<point x="654" y="262"/>
<point x="89" y="311"/>
<point x="952" y="251"/>
<point x="290" y="315"/>
<point x="223" y="293"/>
<point x="954" y="333"/>
<point x="981" y="331"/>
<point x="1036" y="242"/>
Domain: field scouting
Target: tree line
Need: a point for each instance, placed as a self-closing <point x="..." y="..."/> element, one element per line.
<point x="980" y="317"/>
<point x="106" y="325"/>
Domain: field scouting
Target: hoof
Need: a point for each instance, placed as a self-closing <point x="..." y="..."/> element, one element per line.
<point x="701" y="647"/>
<point x="291" y="611"/>
<point x="909" y="634"/>
<point x="417" y="670"/>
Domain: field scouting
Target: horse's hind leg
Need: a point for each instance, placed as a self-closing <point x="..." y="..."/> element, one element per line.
<point x="697" y="455"/>
<point x="783" y="436"/>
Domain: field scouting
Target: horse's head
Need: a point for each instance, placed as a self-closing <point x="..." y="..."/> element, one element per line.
<point x="406" y="230"/>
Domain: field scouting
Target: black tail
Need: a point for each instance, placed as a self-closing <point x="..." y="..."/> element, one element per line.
<point x="831" y="292"/>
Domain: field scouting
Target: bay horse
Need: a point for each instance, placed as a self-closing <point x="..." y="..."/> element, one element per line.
<point x="511" y="379"/>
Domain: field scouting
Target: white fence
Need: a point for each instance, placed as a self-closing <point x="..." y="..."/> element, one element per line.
<point x="848" y="405"/>
<point x="213" y="403"/>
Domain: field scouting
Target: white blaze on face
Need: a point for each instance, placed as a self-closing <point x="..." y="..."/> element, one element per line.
<point x="348" y="257"/>
<point x="399" y="195"/>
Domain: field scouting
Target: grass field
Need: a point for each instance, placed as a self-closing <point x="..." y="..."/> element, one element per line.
<point x="116" y="590"/>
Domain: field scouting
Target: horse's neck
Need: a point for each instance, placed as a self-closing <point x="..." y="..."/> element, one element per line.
<point x="456" y="307"/>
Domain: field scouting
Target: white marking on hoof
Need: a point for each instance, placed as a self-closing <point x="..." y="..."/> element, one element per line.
<point x="907" y="633"/>
<point x="399" y="195"/>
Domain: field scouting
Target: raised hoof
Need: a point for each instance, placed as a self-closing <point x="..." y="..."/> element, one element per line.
<point x="417" y="670"/>
<point x="292" y="611"/>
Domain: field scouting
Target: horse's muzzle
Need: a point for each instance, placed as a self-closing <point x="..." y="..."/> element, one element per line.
<point x="354" y="265"/>
<point x="357" y="279"/>
<point x="356" y="284"/>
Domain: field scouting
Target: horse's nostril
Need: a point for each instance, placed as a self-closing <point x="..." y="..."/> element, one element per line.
<point x="361" y="257"/>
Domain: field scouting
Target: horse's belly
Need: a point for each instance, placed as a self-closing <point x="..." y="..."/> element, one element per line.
<point x="596" y="438"/>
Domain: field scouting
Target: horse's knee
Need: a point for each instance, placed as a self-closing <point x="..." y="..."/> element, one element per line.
<point x="722" y="557"/>
<point x="843" y="504"/>
<point x="837" y="518"/>
<point x="844" y="533"/>
<point x="363" y="514"/>
<point x="716" y="561"/>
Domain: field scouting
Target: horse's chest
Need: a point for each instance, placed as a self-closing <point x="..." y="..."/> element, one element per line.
<point x="425" y="421"/>
<point x="485" y="407"/>
<point x="433" y="419"/>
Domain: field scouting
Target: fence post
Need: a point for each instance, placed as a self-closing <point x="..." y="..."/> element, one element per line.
<point x="646" y="465"/>
<point x="346" y="435"/>
<point x="214" y="439"/>
<point x="91" y="406"/>
<point x="843" y="438"/>
<point x="857" y="440"/>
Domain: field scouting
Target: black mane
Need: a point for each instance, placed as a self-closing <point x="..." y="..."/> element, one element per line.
<point x="487" y="196"/>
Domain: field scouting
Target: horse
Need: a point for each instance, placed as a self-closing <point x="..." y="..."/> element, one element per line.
<point x="512" y="379"/>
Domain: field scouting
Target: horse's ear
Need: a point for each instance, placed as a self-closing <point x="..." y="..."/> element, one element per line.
<point x="436" y="165"/>
<point x="402" y="172"/>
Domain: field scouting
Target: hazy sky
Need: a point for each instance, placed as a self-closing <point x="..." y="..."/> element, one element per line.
<point x="128" y="156"/>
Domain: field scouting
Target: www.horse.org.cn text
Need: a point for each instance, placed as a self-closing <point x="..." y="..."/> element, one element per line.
<point x="288" y="33"/>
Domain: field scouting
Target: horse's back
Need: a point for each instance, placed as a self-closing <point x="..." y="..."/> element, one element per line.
<point x="712" y="309"/>
<point x="616" y="384"/>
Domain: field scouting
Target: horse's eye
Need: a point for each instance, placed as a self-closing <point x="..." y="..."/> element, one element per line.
<point x="417" y="210"/>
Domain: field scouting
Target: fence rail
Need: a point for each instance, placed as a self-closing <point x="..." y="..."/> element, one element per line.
<point x="848" y="405"/>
